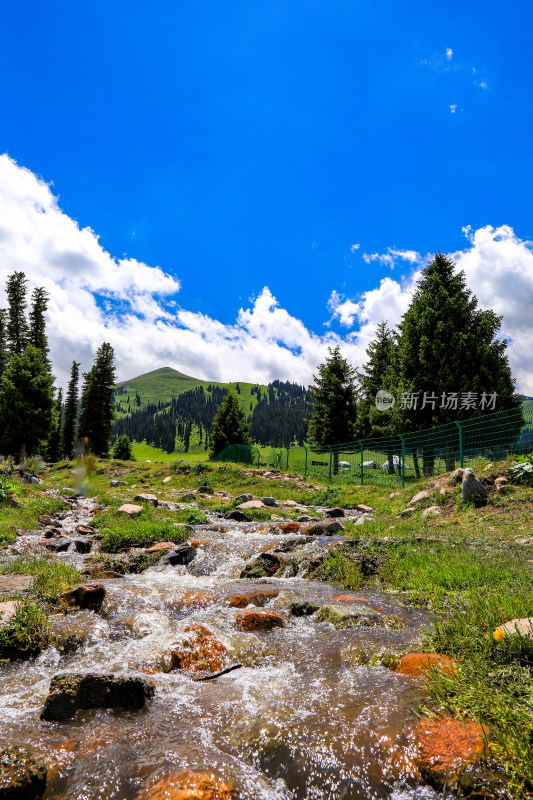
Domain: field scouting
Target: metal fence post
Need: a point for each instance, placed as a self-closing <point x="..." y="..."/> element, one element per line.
<point x="403" y="459"/>
<point x="330" y="457"/>
<point x="461" y="455"/>
<point x="361" y="467"/>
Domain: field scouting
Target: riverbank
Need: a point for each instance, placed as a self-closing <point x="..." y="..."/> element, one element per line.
<point x="441" y="578"/>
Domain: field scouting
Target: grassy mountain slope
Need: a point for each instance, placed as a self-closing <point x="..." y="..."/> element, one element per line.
<point x="165" y="383"/>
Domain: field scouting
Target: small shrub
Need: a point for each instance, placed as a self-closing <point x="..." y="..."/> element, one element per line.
<point x="27" y="633"/>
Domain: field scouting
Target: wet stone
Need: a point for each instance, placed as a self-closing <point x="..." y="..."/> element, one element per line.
<point x="85" y="595"/>
<point x="336" y="512"/>
<point x="445" y="746"/>
<point x="188" y="786"/>
<point x="258" y="598"/>
<point x="348" y="616"/>
<point x="417" y="664"/>
<point x="265" y="565"/>
<point x="196" y="649"/>
<point x="82" y="545"/>
<point x="73" y="691"/>
<point x="59" y="545"/>
<point x="258" y="620"/>
<point x="183" y="554"/>
<point x="303" y="608"/>
<point x="21" y="777"/>
<point x="237" y="516"/>
<point x="290" y="527"/>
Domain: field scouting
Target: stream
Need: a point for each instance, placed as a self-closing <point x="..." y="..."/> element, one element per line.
<point x="306" y="717"/>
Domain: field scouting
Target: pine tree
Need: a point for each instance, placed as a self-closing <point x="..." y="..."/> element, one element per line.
<point x="97" y="408"/>
<point x="122" y="449"/>
<point x="447" y="344"/>
<point x="70" y="418"/>
<point x="4" y="352"/>
<point x="53" y="449"/>
<point x="333" y="403"/>
<point x="17" y="326"/>
<point x="26" y="402"/>
<point x="379" y="372"/>
<point x="37" y="331"/>
<point x="229" y="426"/>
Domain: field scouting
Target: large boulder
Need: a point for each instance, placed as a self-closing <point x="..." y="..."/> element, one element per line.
<point x="73" y="691"/>
<point x="270" y="501"/>
<point x="472" y="490"/>
<point x="326" y="528"/>
<point x="243" y="498"/>
<point x="348" y="616"/>
<point x="21" y="777"/>
<point x="131" y="509"/>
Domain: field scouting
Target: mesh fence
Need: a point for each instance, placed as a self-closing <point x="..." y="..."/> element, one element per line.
<point x="404" y="458"/>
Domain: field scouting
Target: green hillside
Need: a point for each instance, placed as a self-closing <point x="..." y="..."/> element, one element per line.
<point x="161" y="385"/>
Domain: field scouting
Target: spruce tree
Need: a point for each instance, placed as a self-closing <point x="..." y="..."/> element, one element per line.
<point x="447" y="344"/>
<point x="379" y="372"/>
<point x="122" y="449"/>
<point x="4" y="352"/>
<point x="17" y="326"/>
<point x="70" y="418"/>
<point x="333" y="403"/>
<point x="37" y="330"/>
<point x="97" y="407"/>
<point x="229" y="426"/>
<point x="53" y="450"/>
<point x="26" y="402"/>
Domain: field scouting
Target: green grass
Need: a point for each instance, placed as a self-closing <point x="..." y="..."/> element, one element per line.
<point x="27" y="633"/>
<point x="120" y="531"/>
<point x="25" y="517"/>
<point x="51" y="576"/>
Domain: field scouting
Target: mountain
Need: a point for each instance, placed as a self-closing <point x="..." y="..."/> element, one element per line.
<point x="161" y="385"/>
<point x="173" y="411"/>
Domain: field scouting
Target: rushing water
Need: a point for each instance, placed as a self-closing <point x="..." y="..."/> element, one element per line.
<point x="305" y="718"/>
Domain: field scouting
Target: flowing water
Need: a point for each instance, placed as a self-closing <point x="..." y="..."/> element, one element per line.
<point x="306" y="717"/>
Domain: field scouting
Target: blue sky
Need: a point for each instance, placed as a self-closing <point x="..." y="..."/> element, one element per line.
<point x="244" y="145"/>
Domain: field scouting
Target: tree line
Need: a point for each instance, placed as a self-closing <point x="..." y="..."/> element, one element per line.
<point x="33" y="416"/>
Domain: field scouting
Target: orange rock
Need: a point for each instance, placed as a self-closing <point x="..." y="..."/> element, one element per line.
<point x="290" y="527"/>
<point x="197" y="600"/>
<point x="258" y="620"/>
<point x="199" y="542"/>
<point x="417" y="664"/>
<point x="256" y="598"/>
<point x="196" y="650"/>
<point x="348" y="598"/>
<point x="217" y="528"/>
<point x="189" y="786"/>
<point x="445" y="746"/>
<point x="160" y="546"/>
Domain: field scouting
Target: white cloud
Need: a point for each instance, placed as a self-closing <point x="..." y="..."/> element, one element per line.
<point x="453" y="108"/>
<point x="142" y="321"/>
<point x="483" y="84"/>
<point x="449" y="53"/>
<point x="355" y="247"/>
<point x="95" y="297"/>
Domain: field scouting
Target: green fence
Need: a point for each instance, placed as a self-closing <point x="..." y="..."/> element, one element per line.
<point x="403" y="458"/>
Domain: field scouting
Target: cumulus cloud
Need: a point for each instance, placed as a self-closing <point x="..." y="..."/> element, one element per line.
<point x="453" y="108"/>
<point x="95" y="297"/>
<point x="355" y="247"/>
<point x="449" y="53"/>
